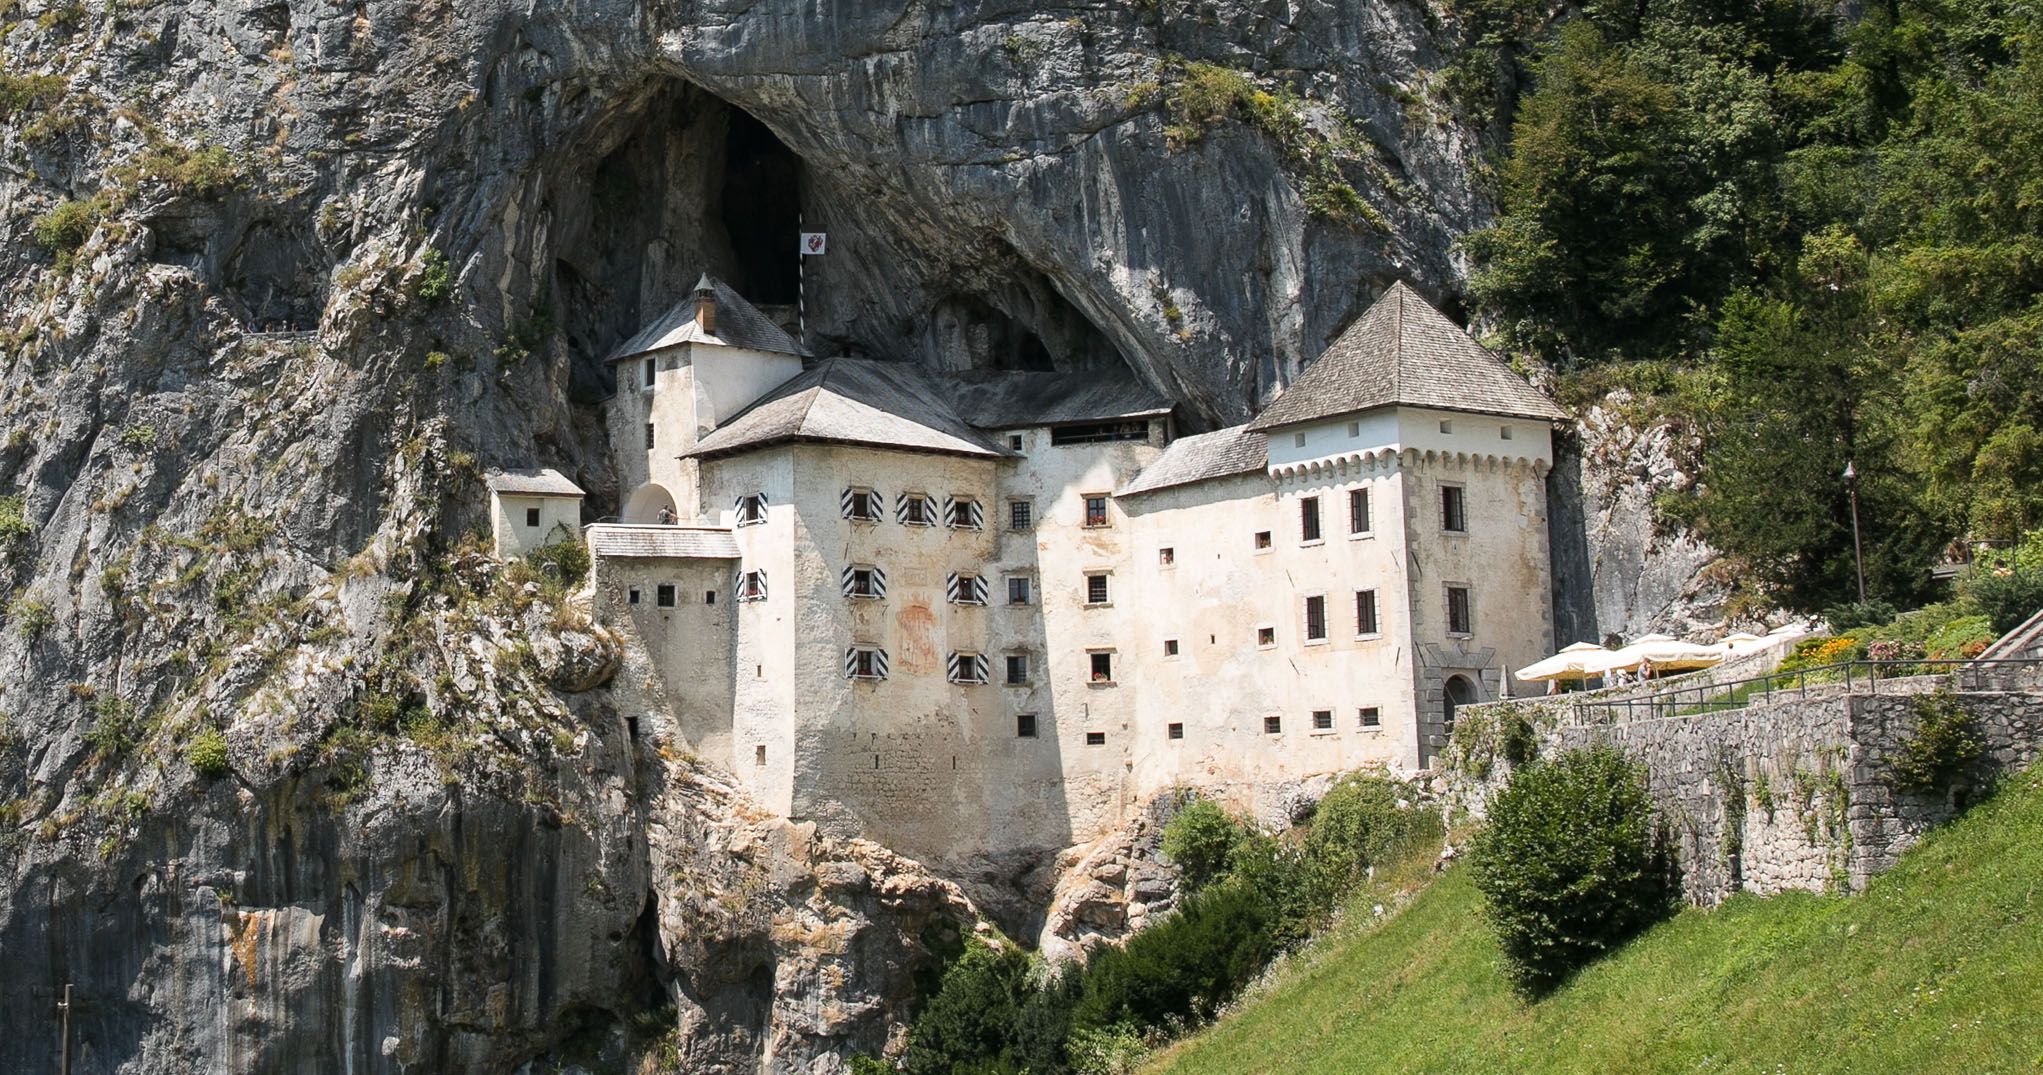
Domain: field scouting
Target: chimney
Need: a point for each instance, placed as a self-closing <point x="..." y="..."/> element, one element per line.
<point x="705" y="305"/>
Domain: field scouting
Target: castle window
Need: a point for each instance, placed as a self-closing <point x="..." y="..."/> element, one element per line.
<point x="1354" y="429"/>
<point x="664" y="596"/>
<point x="631" y="596"/>
<point x="1273" y="725"/>
<point x="1170" y="647"/>
<point x="1460" y="619"/>
<point x="751" y="509"/>
<point x="649" y="436"/>
<point x="861" y="505"/>
<point x="751" y="586"/>
<point x="1298" y="440"/>
<point x="1503" y="432"/>
<point x="1018" y="589"/>
<point x="963" y="588"/>
<point x="1316" y="618"/>
<point x="1308" y="518"/>
<point x="1102" y="666"/>
<point x="865" y="581"/>
<point x="1024" y="725"/>
<point x="1017" y="669"/>
<point x="759" y="754"/>
<point x="1096" y="589"/>
<point x="1365" y="613"/>
<point x="1095" y="739"/>
<point x="966" y="668"/>
<point x="1095" y="509"/>
<point x="1014" y="442"/>
<point x="649" y="368"/>
<point x="963" y="513"/>
<point x="1358" y="511"/>
<point x="709" y="597"/>
<point x="1266" y="637"/>
<point x="1262" y="541"/>
<point x="1175" y="730"/>
<point x="914" y="509"/>
<point x="531" y="516"/>
<point x="1020" y="515"/>
<point x="1370" y="717"/>
<point x="1322" y="720"/>
<point x="1166" y="557"/>
<point x="865" y="662"/>
<point x="1446" y="426"/>
<point x="1453" y="509"/>
<point x="1099" y="432"/>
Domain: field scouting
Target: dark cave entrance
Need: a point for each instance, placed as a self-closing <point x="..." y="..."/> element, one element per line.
<point x="761" y="211"/>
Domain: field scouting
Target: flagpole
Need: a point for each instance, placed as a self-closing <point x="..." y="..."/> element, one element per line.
<point x="801" y="282"/>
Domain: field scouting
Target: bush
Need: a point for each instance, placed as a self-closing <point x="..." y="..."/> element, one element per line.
<point x="207" y="753"/>
<point x="977" y="1016"/>
<point x="1570" y="866"/>
<point x="566" y="561"/>
<point x="1852" y="614"/>
<point x="1189" y="964"/>
<point x="115" y="729"/>
<point x="1358" y="824"/>
<point x="2006" y="589"/>
<point x="31" y="617"/>
<point x="1961" y="638"/>
<point x="1200" y="838"/>
<point x="1946" y="743"/>
<point x="435" y="281"/>
<point x="13" y="522"/>
<point x="65" y="228"/>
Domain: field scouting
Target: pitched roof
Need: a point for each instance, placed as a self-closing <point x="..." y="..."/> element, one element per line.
<point x="852" y="401"/>
<point x="533" y="482"/>
<point x="1007" y="400"/>
<point x="1403" y="351"/>
<point x="670" y="542"/>
<point x="738" y="324"/>
<point x="1223" y="452"/>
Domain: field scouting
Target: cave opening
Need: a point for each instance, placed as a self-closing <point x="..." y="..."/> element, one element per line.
<point x="761" y="211"/>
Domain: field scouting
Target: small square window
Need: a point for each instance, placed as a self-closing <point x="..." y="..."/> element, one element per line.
<point x="1371" y="717"/>
<point x="1298" y="440"/>
<point x="1166" y="556"/>
<point x="709" y="597"/>
<point x="1354" y="429"/>
<point x="1322" y="720"/>
<point x="649" y="436"/>
<point x="1102" y="668"/>
<point x="1021" y="515"/>
<point x="1266" y="637"/>
<point x="751" y="509"/>
<point x="1262" y="540"/>
<point x="1273" y="725"/>
<point x="1175" y="730"/>
<point x="1014" y="442"/>
<point x="1024" y="725"/>
<point x="916" y="510"/>
<point x="1018" y="590"/>
<point x="1095" y="589"/>
<point x="631" y="596"/>
<point x="1446" y="426"/>
<point x="963" y="514"/>
<point x="863" y="582"/>
<point x="1095" y="510"/>
<point x="862" y="505"/>
<point x="531" y="516"/>
<point x="1017" y="669"/>
<point x="1503" y="432"/>
<point x="752" y="586"/>
<point x="665" y="595"/>
<point x="1170" y="647"/>
<point x="1095" y="739"/>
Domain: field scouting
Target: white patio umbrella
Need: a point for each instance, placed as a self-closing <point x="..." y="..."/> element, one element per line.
<point x="1667" y="654"/>
<point x="1739" y="642"/>
<point x="1582" y="660"/>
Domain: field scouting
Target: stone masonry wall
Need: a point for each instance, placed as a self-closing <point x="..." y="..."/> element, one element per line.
<point x="1793" y="794"/>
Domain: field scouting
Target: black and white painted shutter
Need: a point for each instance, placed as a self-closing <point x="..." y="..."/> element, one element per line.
<point x="879" y="581"/>
<point x="964" y="514"/>
<point x="879" y="659"/>
<point x="965" y="589"/>
<point x="851" y="495"/>
<point x="739" y="586"/>
<point x="967" y="668"/>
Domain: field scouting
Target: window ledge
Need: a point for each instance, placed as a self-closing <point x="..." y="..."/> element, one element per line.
<point x="1362" y="534"/>
<point x="1101" y="683"/>
<point x="1316" y="641"/>
<point x="1310" y="544"/>
<point x="1373" y="636"/>
<point x="1321" y="733"/>
<point x="1099" y="604"/>
<point x="1461" y="634"/>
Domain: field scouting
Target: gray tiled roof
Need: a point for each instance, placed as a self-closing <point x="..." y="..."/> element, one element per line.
<point x="670" y="542"/>
<point x="1223" y="452"/>
<point x="738" y="324"/>
<point x="852" y="401"/>
<point x="540" y="482"/>
<point x="1007" y="400"/>
<point x="1403" y="351"/>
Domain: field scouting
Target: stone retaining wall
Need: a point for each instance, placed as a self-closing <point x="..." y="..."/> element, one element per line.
<point x="1792" y="794"/>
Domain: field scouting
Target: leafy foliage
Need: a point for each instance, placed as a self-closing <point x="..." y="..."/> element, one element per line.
<point x="2007" y="586"/>
<point x="1570" y="866"/>
<point x="1946" y="743"/>
<point x="207" y="753"/>
<point x="65" y="228"/>
<point x="436" y="282"/>
<point x="1199" y="839"/>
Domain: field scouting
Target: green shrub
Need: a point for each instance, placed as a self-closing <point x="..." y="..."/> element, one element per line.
<point x="1947" y="741"/>
<point x="13" y="522"/>
<point x="565" y="561"/>
<point x="31" y="617"/>
<point x="1200" y="838"/>
<point x="21" y="93"/>
<point x="1959" y="639"/>
<point x="1855" y="614"/>
<point x="1187" y="965"/>
<point x="1113" y="1050"/>
<point x="2007" y="587"/>
<point x="207" y="753"/>
<point x="64" y="229"/>
<point x="1569" y="865"/>
<point x="1356" y="825"/>
<point x="975" y="1020"/>
<point x="138" y="437"/>
<point x="435" y="281"/>
<point x="115" y="728"/>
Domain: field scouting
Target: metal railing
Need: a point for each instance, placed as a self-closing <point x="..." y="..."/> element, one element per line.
<point x="1842" y="678"/>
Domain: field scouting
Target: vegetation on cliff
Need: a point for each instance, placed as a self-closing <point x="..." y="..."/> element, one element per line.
<point x="1814" y="241"/>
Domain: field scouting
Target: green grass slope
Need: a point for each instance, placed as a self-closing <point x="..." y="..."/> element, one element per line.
<point x="1938" y="967"/>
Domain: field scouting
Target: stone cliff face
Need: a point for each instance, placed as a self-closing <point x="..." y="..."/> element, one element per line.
<point x="290" y="779"/>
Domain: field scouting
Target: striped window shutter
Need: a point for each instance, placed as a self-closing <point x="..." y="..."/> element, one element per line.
<point x="851" y="663"/>
<point x="901" y="508"/>
<point x="965" y="589"/>
<point x="963" y="514"/>
<point x="880" y="663"/>
<point x="879" y="581"/>
<point x="844" y="502"/>
<point x="738" y="586"/>
<point x="967" y="668"/>
<point x="978" y="589"/>
<point x="847" y="581"/>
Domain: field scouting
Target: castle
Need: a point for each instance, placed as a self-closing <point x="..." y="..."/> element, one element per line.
<point x="972" y="614"/>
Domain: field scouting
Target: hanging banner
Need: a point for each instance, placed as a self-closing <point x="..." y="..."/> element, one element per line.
<point x="812" y="243"/>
